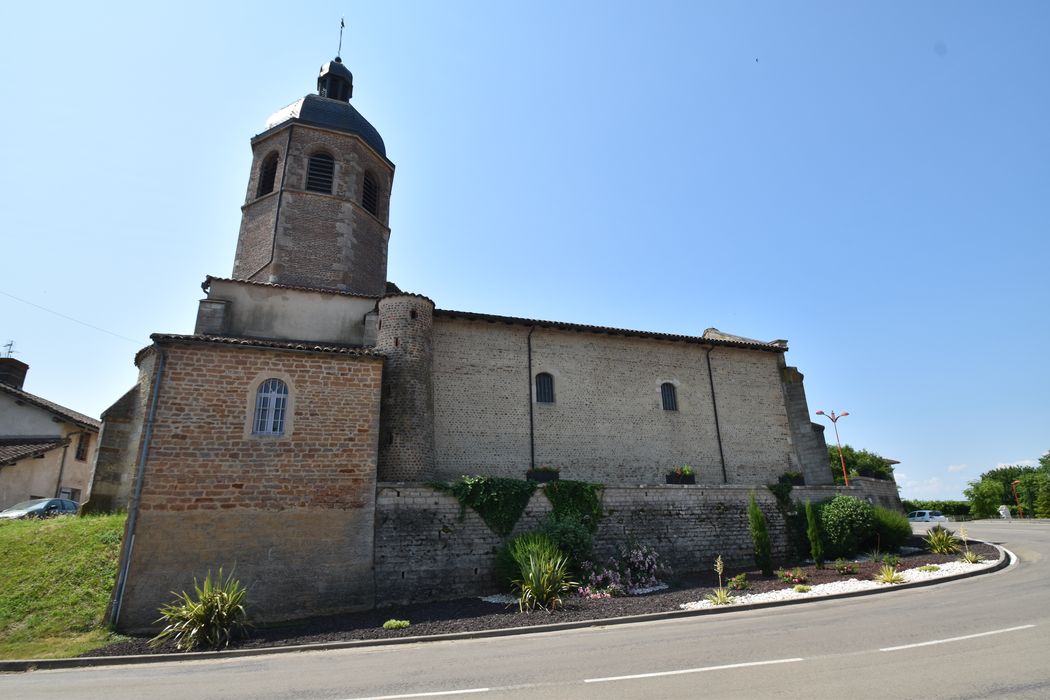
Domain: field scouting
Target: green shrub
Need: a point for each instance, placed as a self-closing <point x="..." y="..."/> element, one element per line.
<point x="760" y="537"/>
<point x="928" y="568"/>
<point x="571" y="535"/>
<point x="210" y="621"/>
<point x="801" y="588"/>
<point x="577" y="500"/>
<point x="891" y="560"/>
<point x="738" y="583"/>
<point x="847" y="522"/>
<point x="892" y="529"/>
<point x="941" y="540"/>
<point x="1042" y="502"/>
<point x="845" y="568"/>
<point x="816" y="543"/>
<point x="393" y="624"/>
<point x="544" y="578"/>
<point x="796" y="575"/>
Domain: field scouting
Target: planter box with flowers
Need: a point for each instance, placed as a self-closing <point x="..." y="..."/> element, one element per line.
<point x="543" y="473"/>
<point x="681" y="475"/>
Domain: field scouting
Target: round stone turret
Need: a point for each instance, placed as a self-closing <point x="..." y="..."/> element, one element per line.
<point x="405" y="336"/>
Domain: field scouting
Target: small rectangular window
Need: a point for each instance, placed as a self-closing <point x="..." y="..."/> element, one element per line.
<point x="670" y="398"/>
<point x="544" y="388"/>
<point x="82" y="447"/>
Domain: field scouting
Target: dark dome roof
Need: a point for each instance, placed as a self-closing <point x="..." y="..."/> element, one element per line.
<point x="336" y="67"/>
<point x="330" y="114"/>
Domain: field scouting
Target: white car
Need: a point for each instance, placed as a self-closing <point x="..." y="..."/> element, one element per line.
<point x="926" y="516"/>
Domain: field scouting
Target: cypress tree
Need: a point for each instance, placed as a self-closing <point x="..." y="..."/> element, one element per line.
<point x="760" y="536"/>
<point x="816" y="544"/>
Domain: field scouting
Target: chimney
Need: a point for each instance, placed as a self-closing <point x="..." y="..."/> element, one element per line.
<point x="13" y="372"/>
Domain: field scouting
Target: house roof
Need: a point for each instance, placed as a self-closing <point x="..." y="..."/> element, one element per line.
<point x="711" y="336"/>
<point x="301" y="345"/>
<point x="13" y="449"/>
<point x="206" y="284"/>
<point x="62" y="412"/>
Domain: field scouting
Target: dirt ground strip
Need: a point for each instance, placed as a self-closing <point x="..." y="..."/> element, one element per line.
<point x="473" y="614"/>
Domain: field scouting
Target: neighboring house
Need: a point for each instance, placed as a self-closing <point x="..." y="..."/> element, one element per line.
<point x="46" y="450"/>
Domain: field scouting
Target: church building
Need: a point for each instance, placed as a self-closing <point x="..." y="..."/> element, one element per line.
<point x="284" y="436"/>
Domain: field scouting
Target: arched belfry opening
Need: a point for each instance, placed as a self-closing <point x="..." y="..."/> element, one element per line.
<point x="335" y="81"/>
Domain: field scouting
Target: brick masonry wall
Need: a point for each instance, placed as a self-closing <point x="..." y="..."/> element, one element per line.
<point x="322" y="240"/>
<point x="607" y="423"/>
<point x="427" y="550"/>
<point x="293" y="513"/>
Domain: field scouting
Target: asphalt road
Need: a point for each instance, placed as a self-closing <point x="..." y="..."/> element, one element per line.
<point x="983" y="637"/>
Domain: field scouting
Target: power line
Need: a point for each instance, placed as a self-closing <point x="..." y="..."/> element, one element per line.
<point x="70" y="318"/>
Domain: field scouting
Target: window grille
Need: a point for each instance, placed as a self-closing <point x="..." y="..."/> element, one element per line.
<point x="267" y="175"/>
<point x="320" y="172"/>
<point x="271" y="404"/>
<point x="544" y="388"/>
<point x="670" y="398"/>
<point x="370" y="195"/>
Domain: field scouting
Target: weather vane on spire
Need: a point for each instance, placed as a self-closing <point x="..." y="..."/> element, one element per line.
<point x="341" y="25"/>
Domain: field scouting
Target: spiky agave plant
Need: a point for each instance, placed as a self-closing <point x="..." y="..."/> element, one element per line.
<point x="208" y="619"/>
<point x="889" y="574"/>
<point x="941" y="540"/>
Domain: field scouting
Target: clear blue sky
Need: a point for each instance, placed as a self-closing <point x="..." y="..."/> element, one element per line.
<point x="870" y="181"/>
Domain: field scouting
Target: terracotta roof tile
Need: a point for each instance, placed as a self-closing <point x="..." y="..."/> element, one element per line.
<point x="13" y="449"/>
<point x="61" y="411"/>
<point x="303" y="345"/>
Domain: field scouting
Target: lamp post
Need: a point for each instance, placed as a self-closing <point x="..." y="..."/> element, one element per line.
<point x="1020" y="508"/>
<point x="835" y="423"/>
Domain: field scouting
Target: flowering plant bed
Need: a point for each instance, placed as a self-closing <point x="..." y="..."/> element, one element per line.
<point x="473" y="614"/>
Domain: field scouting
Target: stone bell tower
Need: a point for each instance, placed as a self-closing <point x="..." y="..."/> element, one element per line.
<point x="317" y="209"/>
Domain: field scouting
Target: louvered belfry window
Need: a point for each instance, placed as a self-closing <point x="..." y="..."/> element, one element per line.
<point x="319" y="173"/>
<point x="669" y="396"/>
<point x="544" y="388"/>
<point x="271" y="404"/>
<point x="370" y="195"/>
<point x="267" y="175"/>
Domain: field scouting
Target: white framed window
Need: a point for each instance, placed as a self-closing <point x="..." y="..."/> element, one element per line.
<point x="271" y="407"/>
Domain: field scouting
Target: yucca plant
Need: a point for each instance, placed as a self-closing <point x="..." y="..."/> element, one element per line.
<point x="888" y="574"/>
<point x="543" y="580"/>
<point x="941" y="540"/>
<point x="968" y="556"/>
<point x="209" y="619"/>
<point x="720" y="595"/>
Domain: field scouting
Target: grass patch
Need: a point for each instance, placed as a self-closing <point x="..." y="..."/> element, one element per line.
<point x="57" y="578"/>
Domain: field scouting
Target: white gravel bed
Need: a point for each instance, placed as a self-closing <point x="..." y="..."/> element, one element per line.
<point x="845" y="586"/>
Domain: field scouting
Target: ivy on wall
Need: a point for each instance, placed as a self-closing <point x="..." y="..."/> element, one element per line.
<point x="499" y="501"/>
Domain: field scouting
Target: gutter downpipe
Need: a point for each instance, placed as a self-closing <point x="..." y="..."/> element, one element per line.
<point x="133" y="509"/>
<point x="532" y="433"/>
<point x="714" y="406"/>
<point x="61" y="469"/>
<point x="280" y="196"/>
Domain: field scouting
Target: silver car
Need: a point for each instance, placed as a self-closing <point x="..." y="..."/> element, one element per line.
<point x="926" y="516"/>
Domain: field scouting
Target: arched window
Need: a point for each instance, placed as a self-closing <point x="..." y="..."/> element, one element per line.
<point x="669" y="396"/>
<point x="544" y="388"/>
<point x="271" y="404"/>
<point x="267" y="175"/>
<point x="319" y="173"/>
<point x="370" y="195"/>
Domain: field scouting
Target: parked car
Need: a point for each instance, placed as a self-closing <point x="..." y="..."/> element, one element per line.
<point x="40" y="508"/>
<point x="926" y="516"/>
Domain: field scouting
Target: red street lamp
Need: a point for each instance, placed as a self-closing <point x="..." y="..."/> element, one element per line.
<point x="835" y="424"/>
<point x="1020" y="508"/>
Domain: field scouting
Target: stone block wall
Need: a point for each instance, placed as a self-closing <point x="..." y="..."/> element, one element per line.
<point x="426" y="549"/>
<point x="607" y="422"/>
<point x="292" y="514"/>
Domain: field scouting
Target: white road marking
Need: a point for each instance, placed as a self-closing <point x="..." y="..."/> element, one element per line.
<point x="427" y="695"/>
<point x="691" y="670"/>
<point x="958" y="639"/>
